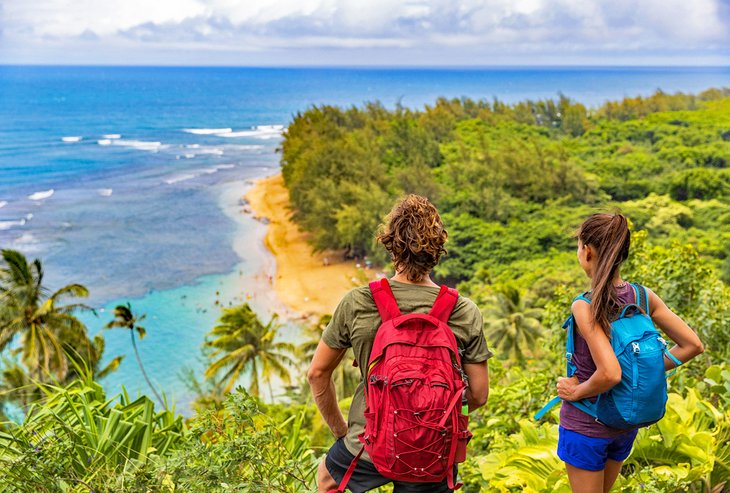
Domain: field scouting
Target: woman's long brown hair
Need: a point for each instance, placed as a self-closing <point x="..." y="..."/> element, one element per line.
<point x="609" y="235"/>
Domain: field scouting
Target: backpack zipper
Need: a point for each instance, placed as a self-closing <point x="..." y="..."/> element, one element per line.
<point x="635" y="364"/>
<point x="635" y="379"/>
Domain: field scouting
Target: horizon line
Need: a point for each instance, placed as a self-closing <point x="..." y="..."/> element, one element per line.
<point x="375" y="67"/>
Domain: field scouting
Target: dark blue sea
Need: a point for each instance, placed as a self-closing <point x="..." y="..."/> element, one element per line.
<point x="129" y="179"/>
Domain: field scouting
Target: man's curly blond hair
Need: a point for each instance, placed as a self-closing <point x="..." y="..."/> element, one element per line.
<point x="414" y="236"/>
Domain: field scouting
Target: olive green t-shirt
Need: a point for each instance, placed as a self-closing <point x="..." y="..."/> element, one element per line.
<point x="356" y="320"/>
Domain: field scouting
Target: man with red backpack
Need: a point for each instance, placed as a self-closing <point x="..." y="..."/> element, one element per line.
<point x="421" y="350"/>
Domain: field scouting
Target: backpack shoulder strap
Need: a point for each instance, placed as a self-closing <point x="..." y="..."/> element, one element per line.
<point x="583" y="297"/>
<point x="384" y="300"/>
<point x="444" y="304"/>
<point x="642" y="297"/>
<point x="569" y="327"/>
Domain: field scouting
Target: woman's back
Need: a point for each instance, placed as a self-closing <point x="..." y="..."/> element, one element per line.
<point x="572" y="418"/>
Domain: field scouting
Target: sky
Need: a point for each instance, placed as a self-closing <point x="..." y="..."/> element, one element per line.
<point x="365" y="32"/>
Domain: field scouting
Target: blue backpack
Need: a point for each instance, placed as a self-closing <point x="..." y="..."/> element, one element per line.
<point x="641" y="396"/>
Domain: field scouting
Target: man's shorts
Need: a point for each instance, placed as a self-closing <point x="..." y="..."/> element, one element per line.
<point x="366" y="477"/>
<point x="592" y="453"/>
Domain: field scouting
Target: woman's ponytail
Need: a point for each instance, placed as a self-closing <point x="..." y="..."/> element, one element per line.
<point x="610" y="237"/>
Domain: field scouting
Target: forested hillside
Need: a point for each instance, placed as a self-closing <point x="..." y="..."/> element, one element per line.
<point x="516" y="178"/>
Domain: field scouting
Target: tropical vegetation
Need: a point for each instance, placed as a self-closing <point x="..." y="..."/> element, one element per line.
<point x="124" y="318"/>
<point x="241" y="343"/>
<point x="513" y="182"/>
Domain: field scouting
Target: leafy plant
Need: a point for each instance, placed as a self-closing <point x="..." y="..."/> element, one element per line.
<point x="77" y="439"/>
<point x="241" y="449"/>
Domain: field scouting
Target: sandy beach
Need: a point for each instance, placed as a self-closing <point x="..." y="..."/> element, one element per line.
<point x="306" y="282"/>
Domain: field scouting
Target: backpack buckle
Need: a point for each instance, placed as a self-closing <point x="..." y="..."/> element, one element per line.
<point x="636" y="347"/>
<point x="374" y="379"/>
<point x="569" y="357"/>
<point x="464" y="376"/>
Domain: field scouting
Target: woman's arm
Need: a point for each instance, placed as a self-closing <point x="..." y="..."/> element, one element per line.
<point x="608" y="370"/>
<point x="688" y="345"/>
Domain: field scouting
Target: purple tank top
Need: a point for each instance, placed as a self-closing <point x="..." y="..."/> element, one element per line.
<point x="572" y="418"/>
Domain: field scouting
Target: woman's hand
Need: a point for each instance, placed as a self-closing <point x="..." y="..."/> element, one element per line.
<point x="566" y="388"/>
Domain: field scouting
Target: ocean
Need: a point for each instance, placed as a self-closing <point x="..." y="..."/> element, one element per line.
<point x="129" y="179"/>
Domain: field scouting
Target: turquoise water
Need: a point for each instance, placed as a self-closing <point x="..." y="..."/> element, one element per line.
<point x="129" y="179"/>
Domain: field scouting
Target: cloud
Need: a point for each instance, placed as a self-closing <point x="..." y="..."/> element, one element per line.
<point x="548" y="27"/>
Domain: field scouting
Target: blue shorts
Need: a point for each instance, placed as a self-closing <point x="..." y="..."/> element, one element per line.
<point x="591" y="453"/>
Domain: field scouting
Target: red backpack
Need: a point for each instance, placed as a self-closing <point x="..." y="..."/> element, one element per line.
<point x="414" y="428"/>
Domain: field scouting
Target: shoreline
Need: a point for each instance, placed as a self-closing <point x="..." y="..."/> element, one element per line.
<point x="310" y="283"/>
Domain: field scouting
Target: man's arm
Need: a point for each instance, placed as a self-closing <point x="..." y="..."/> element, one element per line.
<point x="323" y="364"/>
<point x="478" y="391"/>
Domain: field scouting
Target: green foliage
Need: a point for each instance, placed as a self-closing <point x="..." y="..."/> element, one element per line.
<point x="346" y="377"/>
<point x="530" y="464"/>
<point x="77" y="439"/>
<point x="41" y="339"/>
<point x="689" y="444"/>
<point x="512" y="324"/>
<point x="701" y="183"/>
<point x="514" y="391"/>
<point x="686" y="451"/>
<point x="509" y="454"/>
<point x="241" y="449"/>
<point x="504" y="165"/>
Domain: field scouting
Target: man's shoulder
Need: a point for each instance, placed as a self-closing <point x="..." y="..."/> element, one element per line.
<point x="465" y="307"/>
<point x="357" y="298"/>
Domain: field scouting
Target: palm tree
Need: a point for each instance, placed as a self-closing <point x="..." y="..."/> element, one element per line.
<point x="124" y="318"/>
<point x="346" y="377"/>
<point x="44" y="324"/>
<point x="19" y="387"/>
<point x="511" y="324"/>
<point x="242" y="344"/>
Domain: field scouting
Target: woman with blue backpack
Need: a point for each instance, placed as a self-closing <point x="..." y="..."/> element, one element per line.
<point x="616" y="359"/>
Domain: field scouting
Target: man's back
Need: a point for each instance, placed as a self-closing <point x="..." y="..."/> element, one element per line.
<point x="356" y="321"/>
